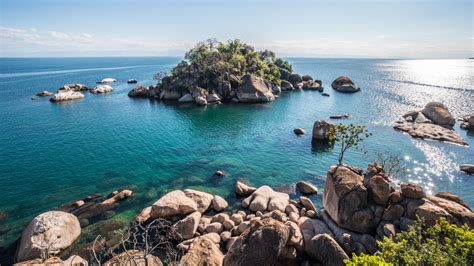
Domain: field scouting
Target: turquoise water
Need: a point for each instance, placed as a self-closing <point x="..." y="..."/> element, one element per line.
<point x="52" y="153"/>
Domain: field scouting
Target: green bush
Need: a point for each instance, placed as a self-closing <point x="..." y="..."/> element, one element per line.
<point x="366" y="260"/>
<point x="441" y="244"/>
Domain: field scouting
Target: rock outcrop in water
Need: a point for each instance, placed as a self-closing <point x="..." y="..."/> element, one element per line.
<point x="344" y="84"/>
<point x="432" y="122"/>
<point x="102" y="89"/>
<point x="66" y="96"/>
<point x="467" y="122"/>
<point x="230" y="72"/>
<point x="321" y="129"/>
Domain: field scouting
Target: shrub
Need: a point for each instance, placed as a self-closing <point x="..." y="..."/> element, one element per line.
<point x="347" y="136"/>
<point x="366" y="260"/>
<point x="441" y="244"/>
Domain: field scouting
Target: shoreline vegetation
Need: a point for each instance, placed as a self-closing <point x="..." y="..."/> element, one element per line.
<point x="367" y="217"/>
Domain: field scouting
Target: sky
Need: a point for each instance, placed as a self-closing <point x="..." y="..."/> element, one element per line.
<point x="299" y="28"/>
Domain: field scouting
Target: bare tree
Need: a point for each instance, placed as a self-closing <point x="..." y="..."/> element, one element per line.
<point x="392" y="164"/>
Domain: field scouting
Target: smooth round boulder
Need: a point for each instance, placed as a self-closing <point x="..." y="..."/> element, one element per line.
<point x="51" y="232"/>
<point x="439" y="114"/>
<point x="344" y="84"/>
<point x="306" y="187"/>
<point x="299" y="131"/>
<point x="242" y="189"/>
<point x="219" y="203"/>
<point x="172" y="204"/>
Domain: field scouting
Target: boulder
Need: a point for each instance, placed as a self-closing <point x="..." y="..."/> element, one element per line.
<point x="219" y="203"/>
<point x="264" y="198"/>
<point x="439" y="114"/>
<point x="467" y="168"/>
<point x="44" y="94"/>
<point x="379" y="188"/>
<point x="450" y="196"/>
<point x="187" y="98"/>
<point x="174" y="203"/>
<point x="286" y="86"/>
<point x="133" y="258"/>
<point x="312" y="85"/>
<point x="53" y="261"/>
<point x="325" y="94"/>
<point x="50" y="232"/>
<point x="461" y="214"/>
<point x="306" y="78"/>
<point x="261" y="244"/>
<point x="299" y="131"/>
<point x="306" y="187"/>
<point x="321" y="129"/>
<point x="187" y="227"/>
<point x="200" y="100"/>
<point x="242" y="189"/>
<point x="215" y="227"/>
<point x="73" y="87"/>
<point x="467" y="122"/>
<point x="284" y="74"/>
<point x="139" y="92"/>
<point x="102" y="89"/>
<point x="345" y="199"/>
<point x="308" y="204"/>
<point x="344" y="84"/>
<point x="326" y="250"/>
<point x="66" y="96"/>
<point x="132" y="81"/>
<point x="393" y="212"/>
<point x="202" y="199"/>
<point x="107" y="80"/>
<point x="295" y="79"/>
<point x="170" y="95"/>
<point x="341" y="116"/>
<point x="213" y="98"/>
<point x="203" y="251"/>
<point x="254" y="90"/>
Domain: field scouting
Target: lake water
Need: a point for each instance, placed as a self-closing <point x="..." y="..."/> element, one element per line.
<point x="53" y="153"/>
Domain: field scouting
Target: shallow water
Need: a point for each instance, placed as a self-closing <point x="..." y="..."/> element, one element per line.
<point x="51" y="153"/>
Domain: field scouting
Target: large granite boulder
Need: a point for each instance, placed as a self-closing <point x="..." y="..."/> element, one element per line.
<point x="242" y="189"/>
<point x="265" y="198"/>
<point x="139" y="92"/>
<point x="345" y="199"/>
<point x="261" y="244"/>
<point x="344" y="84"/>
<point x="202" y="199"/>
<point x="170" y="95"/>
<point x="254" y="90"/>
<point x="321" y="129"/>
<point x="102" y="89"/>
<point x="203" y="251"/>
<point x="439" y="114"/>
<point x="306" y="187"/>
<point x="284" y="74"/>
<point x="48" y="234"/>
<point x="187" y="98"/>
<point x="174" y="203"/>
<point x="379" y="184"/>
<point x="132" y="258"/>
<point x="187" y="226"/>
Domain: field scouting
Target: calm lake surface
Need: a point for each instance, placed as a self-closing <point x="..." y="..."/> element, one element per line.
<point x="53" y="153"/>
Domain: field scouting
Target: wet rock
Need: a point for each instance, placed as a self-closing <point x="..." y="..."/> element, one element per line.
<point x="344" y="84"/>
<point x="219" y="173"/>
<point x="429" y="131"/>
<point x="107" y="80"/>
<point x="52" y="231"/>
<point x="173" y="203"/>
<point x="262" y="244"/>
<point x="187" y="98"/>
<point x="213" y="98"/>
<point x="439" y="114"/>
<point x="44" y="94"/>
<point x="325" y="94"/>
<point x="73" y="87"/>
<point x="299" y="131"/>
<point x="242" y="189"/>
<point x="306" y="187"/>
<point x="467" y="168"/>
<point x="132" y="81"/>
<point x="467" y="122"/>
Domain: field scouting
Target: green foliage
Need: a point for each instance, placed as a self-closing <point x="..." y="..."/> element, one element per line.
<point x="214" y="65"/>
<point x="441" y="244"/>
<point x="347" y="136"/>
<point x="366" y="260"/>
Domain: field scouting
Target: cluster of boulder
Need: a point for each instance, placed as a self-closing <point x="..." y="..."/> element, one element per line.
<point x="359" y="207"/>
<point x="434" y="121"/>
<point x="249" y="89"/>
<point x="70" y="92"/>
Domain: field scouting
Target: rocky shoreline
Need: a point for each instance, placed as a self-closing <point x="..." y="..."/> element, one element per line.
<point x="268" y="227"/>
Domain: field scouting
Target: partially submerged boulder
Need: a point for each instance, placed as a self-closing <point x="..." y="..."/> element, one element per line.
<point x="321" y="129"/>
<point x="467" y="122"/>
<point x="102" y="89"/>
<point x="439" y="114"/>
<point x="242" y="189"/>
<point x="66" y="96"/>
<point x="344" y="84"/>
<point x="73" y="87"/>
<point x="467" y="168"/>
<point x="50" y="232"/>
<point x="44" y="94"/>
<point x="254" y="90"/>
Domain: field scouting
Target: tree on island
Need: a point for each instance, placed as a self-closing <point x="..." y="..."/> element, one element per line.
<point x="217" y="66"/>
<point x="347" y="136"/>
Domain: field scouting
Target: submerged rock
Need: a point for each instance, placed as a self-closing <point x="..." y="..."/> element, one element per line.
<point x="50" y="232"/>
<point x="44" y="94"/>
<point x="467" y="168"/>
<point x="344" y="84"/>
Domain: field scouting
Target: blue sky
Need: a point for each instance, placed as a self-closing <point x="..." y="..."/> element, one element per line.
<point x="332" y="28"/>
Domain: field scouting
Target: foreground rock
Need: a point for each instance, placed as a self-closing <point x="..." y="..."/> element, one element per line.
<point x="242" y="189"/>
<point x="66" y="96"/>
<point x="203" y="251"/>
<point x="172" y="204"/>
<point x="326" y="250"/>
<point x="73" y="260"/>
<point x="254" y="90"/>
<point x="433" y="122"/>
<point x="467" y="168"/>
<point x="134" y="258"/>
<point x="344" y="84"/>
<point x="321" y="129"/>
<point x="50" y="232"/>
<point x="262" y="244"/>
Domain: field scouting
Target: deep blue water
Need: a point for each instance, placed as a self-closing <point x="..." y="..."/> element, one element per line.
<point x="52" y="153"/>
